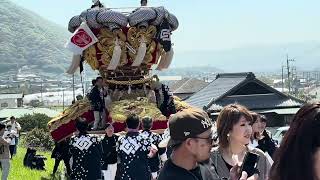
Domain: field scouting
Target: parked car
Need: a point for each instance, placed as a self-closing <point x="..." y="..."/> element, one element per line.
<point x="280" y="132"/>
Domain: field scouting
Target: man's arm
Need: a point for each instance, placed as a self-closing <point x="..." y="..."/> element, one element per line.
<point x="18" y="126"/>
<point x="4" y="141"/>
<point x="161" y="151"/>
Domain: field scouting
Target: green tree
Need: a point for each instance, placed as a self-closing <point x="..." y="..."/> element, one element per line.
<point x="29" y="122"/>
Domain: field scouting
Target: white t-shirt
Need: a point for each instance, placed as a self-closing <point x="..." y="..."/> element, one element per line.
<point x="11" y="133"/>
<point x="15" y="127"/>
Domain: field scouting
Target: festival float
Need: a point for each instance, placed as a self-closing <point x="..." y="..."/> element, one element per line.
<point x="124" y="46"/>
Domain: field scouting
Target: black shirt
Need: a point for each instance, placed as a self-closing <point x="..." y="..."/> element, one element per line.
<point x="61" y="150"/>
<point x="86" y="154"/>
<point x="171" y="171"/>
<point x="154" y="163"/>
<point x="267" y="144"/>
<point x="133" y="149"/>
<point x="227" y="164"/>
<point x="96" y="100"/>
<point x="109" y="146"/>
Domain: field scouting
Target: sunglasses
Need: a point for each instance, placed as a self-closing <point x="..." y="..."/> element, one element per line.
<point x="209" y="139"/>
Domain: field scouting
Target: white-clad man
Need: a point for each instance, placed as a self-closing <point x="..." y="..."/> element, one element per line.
<point x="16" y="127"/>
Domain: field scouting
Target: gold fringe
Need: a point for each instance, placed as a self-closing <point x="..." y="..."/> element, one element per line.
<point x="140" y="81"/>
<point x="71" y="113"/>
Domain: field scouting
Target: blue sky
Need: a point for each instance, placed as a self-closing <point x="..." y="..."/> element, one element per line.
<point x="213" y="24"/>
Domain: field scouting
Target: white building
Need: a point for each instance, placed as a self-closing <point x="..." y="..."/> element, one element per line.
<point x="11" y="100"/>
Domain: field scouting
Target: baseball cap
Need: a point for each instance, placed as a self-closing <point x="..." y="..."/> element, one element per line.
<point x="185" y="124"/>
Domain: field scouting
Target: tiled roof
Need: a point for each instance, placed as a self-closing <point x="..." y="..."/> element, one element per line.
<point x="222" y="91"/>
<point x="11" y="96"/>
<point x="263" y="101"/>
<point x="190" y="85"/>
<point x="217" y="88"/>
<point x="176" y="84"/>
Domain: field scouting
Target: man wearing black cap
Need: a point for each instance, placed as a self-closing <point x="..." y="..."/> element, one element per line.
<point x="191" y="139"/>
<point x="154" y="162"/>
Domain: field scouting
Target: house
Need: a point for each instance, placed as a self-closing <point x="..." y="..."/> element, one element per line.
<point x="11" y="100"/>
<point x="246" y="89"/>
<point x="186" y="87"/>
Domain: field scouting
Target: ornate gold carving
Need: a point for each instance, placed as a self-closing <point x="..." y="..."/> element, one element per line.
<point x="71" y="113"/>
<point x="90" y="55"/>
<point x="107" y="43"/>
<point x="136" y="35"/>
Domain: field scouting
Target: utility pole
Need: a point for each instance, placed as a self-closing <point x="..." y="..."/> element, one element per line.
<point x="282" y="77"/>
<point x="292" y="72"/>
<point x="293" y="77"/>
<point x="288" y="69"/>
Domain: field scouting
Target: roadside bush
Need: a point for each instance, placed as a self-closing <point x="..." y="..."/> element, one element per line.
<point x="38" y="138"/>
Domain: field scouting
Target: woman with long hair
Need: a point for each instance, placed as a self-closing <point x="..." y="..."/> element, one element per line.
<point x="234" y="128"/>
<point x="260" y="138"/>
<point x="299" y="154"/>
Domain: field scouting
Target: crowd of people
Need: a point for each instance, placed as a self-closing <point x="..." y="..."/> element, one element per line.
<point x="192" y="148"/>
<point x="132" y="156"/>
<point x="195" y="152"/>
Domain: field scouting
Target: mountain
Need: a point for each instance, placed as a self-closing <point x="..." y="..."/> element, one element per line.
<point x="29" y="40"/>
<point x="260" y="58"/>
<point x="195" y="71"/>
<point x="26" y="39"/>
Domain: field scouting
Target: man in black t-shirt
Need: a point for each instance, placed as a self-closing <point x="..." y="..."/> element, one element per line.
<point x="97" y="98"/>
<point x="191" y="141"/>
